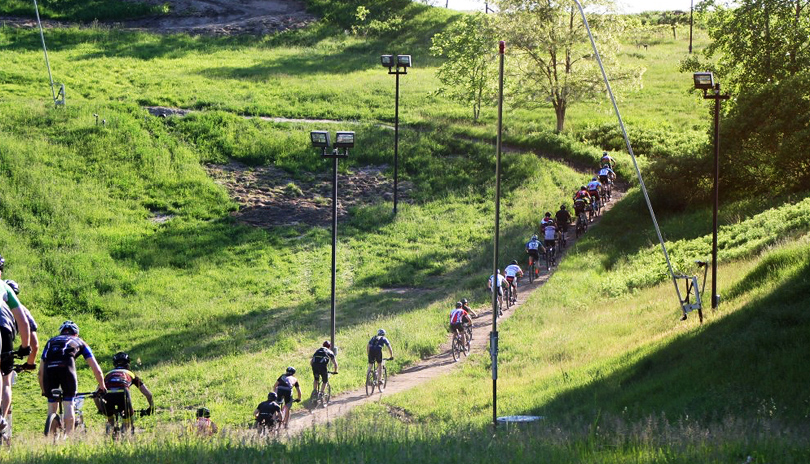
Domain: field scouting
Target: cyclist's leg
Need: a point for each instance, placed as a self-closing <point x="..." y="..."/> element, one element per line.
<point x="315" y="383"/>
<point x="70" y="418"/>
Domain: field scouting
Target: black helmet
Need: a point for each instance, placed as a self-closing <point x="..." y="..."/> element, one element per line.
<point x="604" y="153"/>
<point x="562" y="206"/>
<point x="548" y="214"/>
<point x="381" y="333"/>
<point x="327" y="344"/>
<point x="203" y="412"/>
<point x="69" y="328"/>
<point x="459" y="304"/>
<point x="290" y="370"/>
<point x="13" y="286"/>
<point x="121" y="359"/>
<point x="583" y="188"/>
<point x="272" y="396"/>
<point x="594" y="178"/>
<point x="464" y="301"/>
<point x="514" y="261"/>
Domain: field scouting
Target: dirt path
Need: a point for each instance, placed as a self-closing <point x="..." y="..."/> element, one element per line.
<point x="434" y="366"/>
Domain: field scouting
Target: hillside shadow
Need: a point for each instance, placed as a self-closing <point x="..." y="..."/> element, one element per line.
<point x="748" y="365"/>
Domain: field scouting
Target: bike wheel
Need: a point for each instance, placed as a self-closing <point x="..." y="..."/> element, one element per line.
<point x="469" y="333"/>
<point x="456" y="348"/>
<point x="384" y="382"/>
<point x="549" y="259"/>
<point x="53" y="426"/>
<point x="531" y="272"/>
<point x="327" y="395"/>
<point x="370" y="382"/>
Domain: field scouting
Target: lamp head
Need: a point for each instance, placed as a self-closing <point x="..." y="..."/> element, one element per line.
<point x="403" y="61"/>
<point x="320" y="139"/>
<point x="387" y="61"/>
<point x="344" y="139"/>
<point x="704" y="80"/>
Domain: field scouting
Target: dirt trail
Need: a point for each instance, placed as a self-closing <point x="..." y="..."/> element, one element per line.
<point x="432" y="367"/>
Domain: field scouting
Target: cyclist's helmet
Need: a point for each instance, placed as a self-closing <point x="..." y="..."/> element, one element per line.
<point x="606" y="166"/>
<point x="583" y="188"/>
<point x="290" y="370"/>
<point x="121" y="359"/>
<point x="594" y="178"/>
<point x="272" y="396"/>
<point x="2" y="262"/>
<point x="514" y="261"/>
<point x="69" y="328"/>
<point x="381" y="332"/>
<point x="464" y="301"/>
<point x="459" y="304"/>
<point x="548" y="214"/>
<point x="604" y="153"/>
<point x="13" y="286"/>
<point x="562" y="207"/>
<point x="203" y="412"/>
<point x="326" y="344"/>
<point x="534" y="237"/>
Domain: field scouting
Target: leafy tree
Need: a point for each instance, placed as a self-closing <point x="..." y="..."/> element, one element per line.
<point x="553" y="61"/>
<point x="759" y="41"/>
<point x="468" y="75"/>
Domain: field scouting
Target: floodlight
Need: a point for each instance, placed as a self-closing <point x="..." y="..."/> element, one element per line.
<point x="404" y="61"/>
<point x="320" y="139"/>
<point x="704" y="80"/>
<point x="387" y="61"/>
<point x="344" y="139"/>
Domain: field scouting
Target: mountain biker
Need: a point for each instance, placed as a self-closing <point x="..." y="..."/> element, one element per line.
<point x="320" y="362"/>
<point x="268" y="413"/>
<point x="30" y="363"/>
<point x="549" y="235"/>
<point x="595" y="189"/>
<point x="581" y="200"/>
<point x="606" y="175"/>
<point x="563" y="219"/>
<point x="606" y="159"/>
<point x="283" y="387"/>
<point x="465" y="304"/>
<point x="546" y="221"/>
<point x="501" y="282"/>
<point x="12" y="321"/>
<point x="457" y="319"/>
<point x="117" y="382"/>
<point x="513" y="271"/>
<point x="204" y="425"/>
<point x="374" y="351"/>
<point x="57" y="369"/>
<point x="533" y="250"/>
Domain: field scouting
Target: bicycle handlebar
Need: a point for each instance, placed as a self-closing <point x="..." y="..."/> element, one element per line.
<point x="389" y="359"/>
<point x="14" y="353"/>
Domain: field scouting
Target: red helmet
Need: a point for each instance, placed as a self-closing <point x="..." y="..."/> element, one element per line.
<point x="326" y="344"/>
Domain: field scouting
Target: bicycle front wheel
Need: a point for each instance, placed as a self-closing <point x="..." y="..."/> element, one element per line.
<point x="370" y="381"/>
<point x="327" y="394"/>
<point x="384" y="381"/>
<point x="53" y="425"/>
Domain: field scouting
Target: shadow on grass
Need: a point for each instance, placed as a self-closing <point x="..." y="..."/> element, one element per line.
<point x="751" y="363"/>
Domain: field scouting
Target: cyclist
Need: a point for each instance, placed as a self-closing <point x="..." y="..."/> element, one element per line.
<point x="606" y="159"/>
<point x="117" y="382"/>
<point x="581" y="200"/>
<point x="374" y="351"/>
<point x="549" y="235"/>
<point x="283" y="387"/>
<point x="204" y="425"/>
<point x="457" y="319"/>
<point x="563" y="219"/>
<point x="606" y="175"/>
<point x="12" y="320"/>
<point x="320" y="362"/>
<point x="268" y="413"/>
<point x="57" y="369"/>
<point x="513" y="271"/>
<point x="30" y="364"/>
<point x="533" y="250"/>
<point x="546" y="221"/>
<point x="595" y="189"/>
<point x="465" y="304"/>
<point x="500" y="284"/>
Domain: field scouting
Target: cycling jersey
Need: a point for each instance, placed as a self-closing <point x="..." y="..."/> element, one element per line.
<point x="533" y="245"/>
<point x="377" y="342"/>
<point x="549" y="233"/>
<point x="501" y="280"/>
<point x="121" y="379"/>
<point x="606" y="172"/>
<point x="563" y="217"/>
<point x="62" y="350"/>
<point x="8" y="302"/>
<point x="607" y="160"/>
<point x="268" y="411"/>
<point x="512" y="270"/>
<point x="546" y="222"/>
<point x="286" y="382"/>
<point x="457" y="316"/>
<point x="582" y="195"/>
<point x="322" y="356"/>
<point x="594" y="186"/>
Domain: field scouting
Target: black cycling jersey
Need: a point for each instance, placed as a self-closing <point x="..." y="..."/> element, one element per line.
<point x="267" y="409"/>
<point x="378" y="342"/>
<point x="323" y="355"/>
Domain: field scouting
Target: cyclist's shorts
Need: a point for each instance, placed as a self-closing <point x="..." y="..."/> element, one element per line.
<point x="284" y="395"/>
<point x="63" y="377"/>
<point x="603" y="179"/>
<point x="457" y="326"/>
<point x="579" y="207"/>
<point x="548" y="243"/>
<point x="594" y="194"/>
<point x="534" y="254"/>
<point x="563" y="227"/>
<point x="116" y="402"/>
<point x="7" y="365"/>
<point x="320" y="372"/>
<point x="268" y="422"/>
<point x="375" y="355"/>
<point x="510" y="279"/>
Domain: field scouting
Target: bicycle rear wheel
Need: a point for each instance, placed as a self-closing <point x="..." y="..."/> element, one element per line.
<point x="549" y="259"/>
<point x="456" y="347"/>
<point x="370" y="381"/>
<point x="384" y="381"/>
<point x="531" y="272"/>
<point x="53" y="426"/>
<point x="327" y="394"/>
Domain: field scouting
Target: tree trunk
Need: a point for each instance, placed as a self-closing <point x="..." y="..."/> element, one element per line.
<point x="559" y="110"/>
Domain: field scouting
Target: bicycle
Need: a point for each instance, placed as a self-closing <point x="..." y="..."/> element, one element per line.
<point x="5" y="435"/>
<point x="457" y="347"/>
<point x="371" y="377"/>
<point x="532" y="269"/>
<point x="469" y="329"/>
<point x="550" y="257"/>
<point x="269" y="426"/>
<point x="507" y="295"/>
<point x="118" y="426"/>
<point x="563" y="240"/>
<point x="582" y="224"/>
<point x="55" y="423"/>
<point x="322" y="399"/>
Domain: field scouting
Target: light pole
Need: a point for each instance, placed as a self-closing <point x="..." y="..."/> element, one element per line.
<point x="691" y="12"/>
<point x="705" y="81"/>
<point x="394" y="63"/>
<point x="343" y="141"/>
<point x="493" y="336"/>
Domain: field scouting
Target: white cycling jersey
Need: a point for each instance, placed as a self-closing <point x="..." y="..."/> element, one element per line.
<point x="605" y="172"/>
<point x="548" y="234"/>
<point x="512" y="270"/>
<point x="501" y="280"/>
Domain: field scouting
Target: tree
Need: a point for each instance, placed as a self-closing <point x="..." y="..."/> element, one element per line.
<point x="759" y="41"/>
<point x="468" y="75"/>
<point x="553" y="61"/>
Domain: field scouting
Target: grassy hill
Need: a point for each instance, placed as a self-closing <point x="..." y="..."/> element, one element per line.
<point x="214" y="309"/>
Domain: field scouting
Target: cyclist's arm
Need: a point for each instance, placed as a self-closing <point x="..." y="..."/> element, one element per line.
<point x="23" y="326"/>
<point x="334" y="362"/>
<point x="298" y="391"/>
<point x="390" y="351"/>
<point x="256" y="413"/>
<point x="40" y="373"/>
<point x="148" y="394"/>
<point x="275" y="386"/>
<point x="91" y="361"/>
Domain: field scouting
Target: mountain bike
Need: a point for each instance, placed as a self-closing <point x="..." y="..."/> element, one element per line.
<point x="5" y="435"/>
<point x="532" y="269"/>
<point x="371" y="378"/>
<point x="551" y="257"/>
<point x="322" y="399"/>
<point x="507" y="295"/>
<point x="269" y="426"/>
<point x="55" y="423"/>
<point x="468" y="328"/>
<point x="608" y="191"/>
<point x="512" y="287"/>
<point x="582" y="224"/>
<point x="562" y="241"/>
<point x="118" y="426"/>
<point x="594" y="210"/>
<point x="458" y="347"/>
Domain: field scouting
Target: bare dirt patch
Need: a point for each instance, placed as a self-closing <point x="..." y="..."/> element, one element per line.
<point x="270" y="197"/>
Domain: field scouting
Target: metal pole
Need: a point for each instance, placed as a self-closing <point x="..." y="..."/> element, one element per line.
<point x="716" y="191"/>
<point x="493" y="338"/>
<point x="691" y="12"/>
<point x="44" y="49"/>
<point x="396" y="142"/>
<point x="334" y="240"/>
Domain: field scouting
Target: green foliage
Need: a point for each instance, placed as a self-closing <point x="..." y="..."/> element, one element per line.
<point x="82" y="10"/>
<point x="468" y="75"/>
